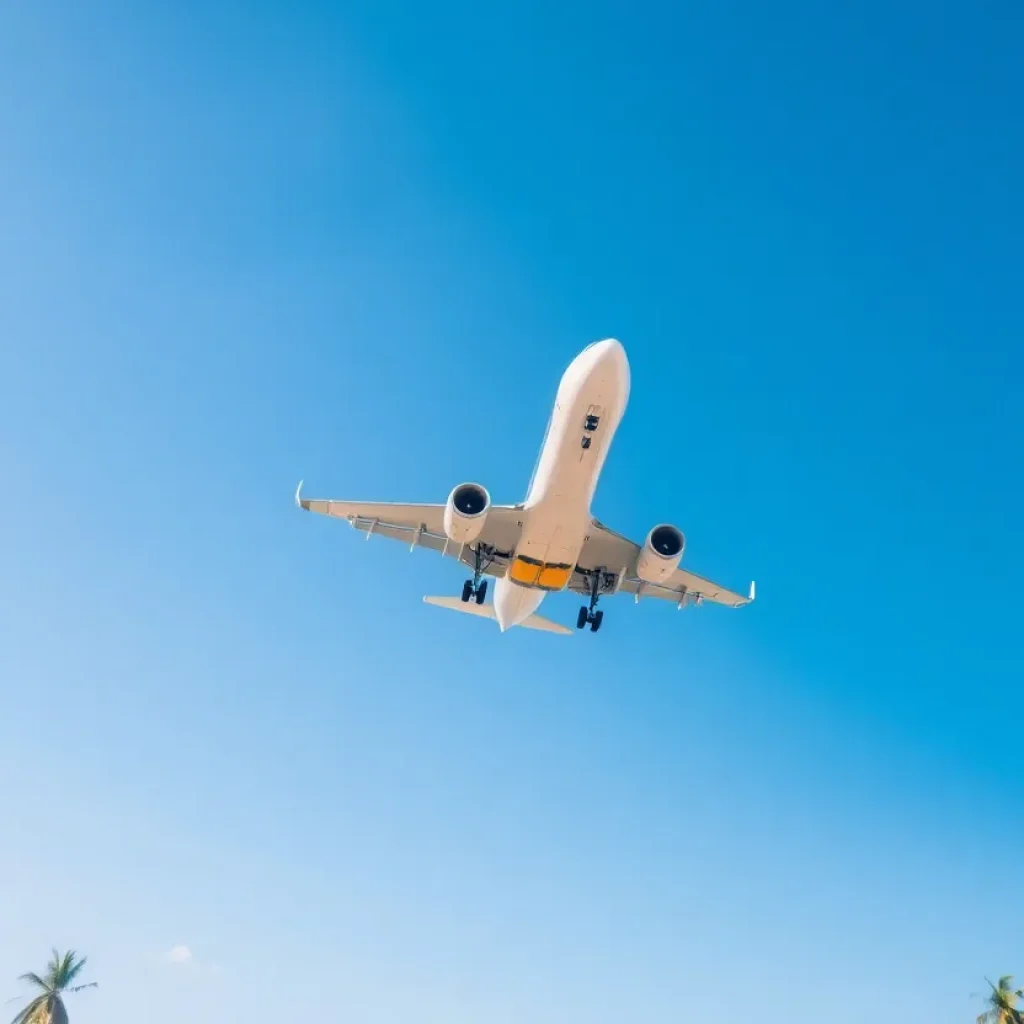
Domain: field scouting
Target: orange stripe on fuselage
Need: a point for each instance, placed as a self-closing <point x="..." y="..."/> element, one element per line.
<point x="554" y="577"/>
<point x="528" y="572"/>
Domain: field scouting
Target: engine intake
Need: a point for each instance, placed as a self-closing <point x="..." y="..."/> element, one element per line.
<point x="661" y="554"/>
<point x="466" y="513"/>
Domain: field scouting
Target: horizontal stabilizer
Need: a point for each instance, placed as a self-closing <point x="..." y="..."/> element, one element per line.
<point x="486" y="611"/>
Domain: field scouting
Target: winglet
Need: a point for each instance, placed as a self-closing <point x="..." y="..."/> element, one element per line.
<point x="752" y="590"/>
<point x="298" y="494"/>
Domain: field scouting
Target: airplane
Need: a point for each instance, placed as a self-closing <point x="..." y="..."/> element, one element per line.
<point x="550" y="542"/>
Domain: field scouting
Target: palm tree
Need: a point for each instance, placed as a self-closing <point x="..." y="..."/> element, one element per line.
<point x="47" y="1007"/>
<point x="1002" y="1003"/>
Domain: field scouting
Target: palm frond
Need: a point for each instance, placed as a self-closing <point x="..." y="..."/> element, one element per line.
<point x="53" y="969"/>
<point x="80" y="988"/>
<point x="33" y="979"/>
<point x="59" y="966"/>
<point x="72" y="967"/>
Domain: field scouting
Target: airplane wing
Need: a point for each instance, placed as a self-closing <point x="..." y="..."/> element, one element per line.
<point x="423" y="526"/>
<point x="617" y="556"/>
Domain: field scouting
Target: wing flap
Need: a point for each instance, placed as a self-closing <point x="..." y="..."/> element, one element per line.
<point x="397" y="516"/>
<point x="685" y="588"/>
<point x="422" y="525"/>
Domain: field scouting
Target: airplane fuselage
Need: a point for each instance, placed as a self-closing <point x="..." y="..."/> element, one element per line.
<point x="591" y="400"/>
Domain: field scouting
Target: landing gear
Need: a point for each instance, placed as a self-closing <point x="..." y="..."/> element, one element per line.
<point x="475" y="589"/>
<point x="474" y="592"/>
<point x="588" y="613"/>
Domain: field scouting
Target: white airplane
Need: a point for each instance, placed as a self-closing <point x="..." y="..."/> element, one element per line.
<point x="551" y="541"/>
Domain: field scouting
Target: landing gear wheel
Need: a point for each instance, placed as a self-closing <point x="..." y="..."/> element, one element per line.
<point x="476" y="588"/>
<point x="589" y="615"/>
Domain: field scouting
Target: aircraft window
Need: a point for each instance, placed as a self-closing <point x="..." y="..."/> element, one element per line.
<point x="592" y="422"/>
<point x="585" y="442"/>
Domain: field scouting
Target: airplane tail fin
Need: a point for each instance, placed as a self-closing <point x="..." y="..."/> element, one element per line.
<point x="486" y="611"/>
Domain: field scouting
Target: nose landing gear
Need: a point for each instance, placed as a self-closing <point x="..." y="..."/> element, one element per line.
<point x="589" y="616"/>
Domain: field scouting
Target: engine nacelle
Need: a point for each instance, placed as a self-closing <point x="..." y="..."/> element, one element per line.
<point x="661" y="554"/>
<point x="466" y="512"/>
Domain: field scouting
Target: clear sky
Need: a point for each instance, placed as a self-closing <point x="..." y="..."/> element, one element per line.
<point x="242" y="244"/>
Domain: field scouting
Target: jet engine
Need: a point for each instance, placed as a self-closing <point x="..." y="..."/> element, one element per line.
<point x="661" y="554"/>
<point x="466" y="512"/>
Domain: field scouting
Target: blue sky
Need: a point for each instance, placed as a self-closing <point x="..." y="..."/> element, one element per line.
<point x="355" y="243"/>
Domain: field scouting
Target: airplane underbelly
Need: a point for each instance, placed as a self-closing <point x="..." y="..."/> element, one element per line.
<point x="548" y="548"/>
<point x="590" y="401"/>
<point x="584" y="423"/>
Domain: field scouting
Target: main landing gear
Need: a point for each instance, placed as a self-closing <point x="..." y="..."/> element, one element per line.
<point x="588" y="613"/>
<point x="475" y="589"/>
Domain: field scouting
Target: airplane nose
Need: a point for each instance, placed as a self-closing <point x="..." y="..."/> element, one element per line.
<point x="610" y="350"/>
<point x="612" y="356"/>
